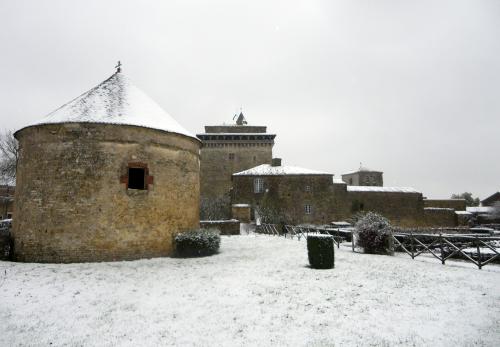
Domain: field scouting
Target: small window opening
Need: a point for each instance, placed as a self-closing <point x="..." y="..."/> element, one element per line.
<point x="361" y="206"/>
<point x="231" y="156"/>
<point x="136" y="178"/>
<point x="308" y="188"/>
<point x="258" y="185"/>
<point x="307" y="209"/>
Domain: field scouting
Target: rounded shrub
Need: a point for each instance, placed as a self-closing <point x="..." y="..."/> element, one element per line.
<point x="197" y="243"/>
<point x="321" y="251"/>
<point x="374" y="234"/>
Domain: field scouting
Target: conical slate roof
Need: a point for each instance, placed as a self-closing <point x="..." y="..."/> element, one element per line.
<point x="115" y="101"/>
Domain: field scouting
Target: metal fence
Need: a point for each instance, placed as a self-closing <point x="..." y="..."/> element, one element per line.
<point x="299" y="232"/>
<point x="477" y="249"/>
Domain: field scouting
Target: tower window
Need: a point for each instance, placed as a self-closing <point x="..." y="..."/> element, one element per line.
<point x="231" y="156"/>
<point x="308" y="188"/>
<point x="307" y="209"/>
<point x="136" y="178"/>
<point x="258" y="185"/>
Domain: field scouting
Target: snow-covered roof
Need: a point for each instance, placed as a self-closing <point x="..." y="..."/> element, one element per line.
<point x="115" y="101"/>
<point x="438" y="209"/>
<point x="463" y="213"/>
<point x="362" y="169"/>
<point x="268" y="170"/>
<point x="479" y="209"/>
<point x="381" y="189"/>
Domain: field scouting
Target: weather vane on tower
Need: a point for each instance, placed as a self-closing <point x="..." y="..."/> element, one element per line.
<point x="118" y="67"/>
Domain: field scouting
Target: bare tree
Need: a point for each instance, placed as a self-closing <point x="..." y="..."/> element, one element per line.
<point x="9" y="154"/>
<point x="215" y="208"/>
<point x="469" y="199"/>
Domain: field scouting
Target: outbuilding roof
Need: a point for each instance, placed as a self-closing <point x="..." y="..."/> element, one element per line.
<point x="381" y="189"/>
<point x="269" y="170"/>
<point x="115" y="101"/>
<point x="479" y="209"/>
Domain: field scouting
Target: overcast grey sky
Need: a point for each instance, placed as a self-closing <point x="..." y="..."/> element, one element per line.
<point x="411" y="88"/>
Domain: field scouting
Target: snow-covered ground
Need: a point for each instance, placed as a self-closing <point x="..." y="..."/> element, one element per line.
<point x="258" y="291"/>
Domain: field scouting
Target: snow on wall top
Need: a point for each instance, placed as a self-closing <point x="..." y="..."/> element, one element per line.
<point x="381" y="189"/>
<point x="115" y="101"/>
<point x="338" y="181"/>
<point x="268" y="170"/>
<point x="479" y="209"/>
<point x="439" y="209"/>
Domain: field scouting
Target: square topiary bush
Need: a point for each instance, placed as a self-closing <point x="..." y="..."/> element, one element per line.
<point x="321" y="251"/>
<point x="197" y="243"/>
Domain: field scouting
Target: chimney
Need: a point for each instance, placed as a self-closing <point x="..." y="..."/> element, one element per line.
<point x="276" y="162"/>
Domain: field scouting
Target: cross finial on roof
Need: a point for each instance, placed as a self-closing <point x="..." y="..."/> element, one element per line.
<point x="118" y="67"/>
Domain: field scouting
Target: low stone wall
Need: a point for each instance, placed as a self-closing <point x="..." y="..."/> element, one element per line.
<point x="242" y="212"/>
<point x="440" y="217"/>
<point x="456" y="204"/>
<point x="226" y="227"/>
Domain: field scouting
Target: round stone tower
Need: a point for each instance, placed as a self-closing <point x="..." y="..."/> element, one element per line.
<point x="107" y="176"/>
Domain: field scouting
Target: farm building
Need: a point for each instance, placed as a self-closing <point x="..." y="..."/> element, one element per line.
<point x="107" y="176"/>
<point x="296" y="195"/>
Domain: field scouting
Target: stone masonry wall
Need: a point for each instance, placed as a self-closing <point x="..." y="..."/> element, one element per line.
<point x="289" y="195"/>
<point x="217" y="165"/>
<point x="242" y="212"/>
<point x="364" y="178"/>
<point x="456" y="204"/>
<point x="225" y="227"/>
<point x="402" y="209"/>
<point x="440" y="217"/>
<point x="72" y="204"/>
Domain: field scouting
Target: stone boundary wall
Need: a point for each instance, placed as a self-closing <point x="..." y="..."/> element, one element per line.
<point x="226" y="227"/>
<point x="456" y="204"/>
<point x="242" y="212"/>
<point x="402" y="209"/>
<point x="440" y="217"/>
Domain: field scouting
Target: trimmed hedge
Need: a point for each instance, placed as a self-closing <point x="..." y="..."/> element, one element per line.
<point x="197" y="243"/>
<point x="321" y="251"/>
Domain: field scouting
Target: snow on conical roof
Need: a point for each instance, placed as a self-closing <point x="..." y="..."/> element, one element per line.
<point x="115" y="101"/>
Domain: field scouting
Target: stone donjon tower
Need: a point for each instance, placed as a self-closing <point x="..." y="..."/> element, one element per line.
<point x="364" y="177"/>
<point x="227" y="149"/>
